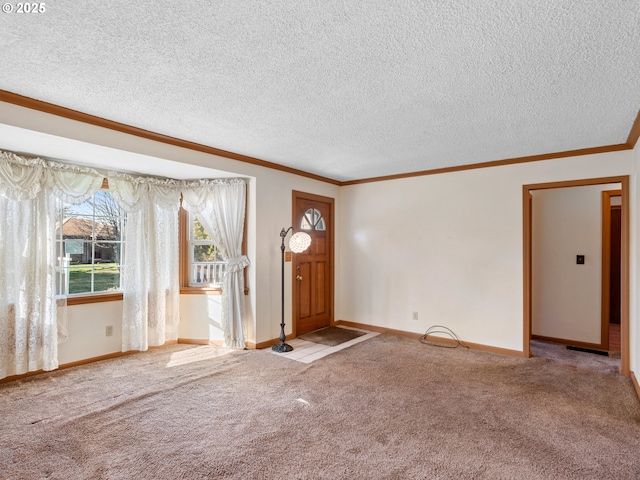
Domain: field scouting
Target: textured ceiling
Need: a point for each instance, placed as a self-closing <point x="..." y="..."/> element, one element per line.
<point x="347" y="90"/>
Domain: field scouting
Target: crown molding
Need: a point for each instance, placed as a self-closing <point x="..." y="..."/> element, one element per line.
<point x="39" y="105"/>
<point x="497" y="163"/>
<point x="634" y="134"/>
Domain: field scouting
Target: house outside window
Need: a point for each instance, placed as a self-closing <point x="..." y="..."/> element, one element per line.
<point x="89" y="246"/>
<point x="206" y="266"/>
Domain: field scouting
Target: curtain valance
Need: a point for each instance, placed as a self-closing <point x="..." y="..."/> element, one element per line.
<point x="129" y="190"/>
<point x="23" y="178"/>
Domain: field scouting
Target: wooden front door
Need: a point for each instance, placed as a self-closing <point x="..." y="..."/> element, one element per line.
<point x="313" y="268"/>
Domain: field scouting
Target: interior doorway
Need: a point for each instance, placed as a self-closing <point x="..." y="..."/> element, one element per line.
<point x="623" y="181"/>
<point x="611" y="260"/>
<point x="313" y="282"/>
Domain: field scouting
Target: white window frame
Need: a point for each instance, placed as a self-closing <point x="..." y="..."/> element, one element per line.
<point x="64" y="261"/>
<point x="200" y="274"/>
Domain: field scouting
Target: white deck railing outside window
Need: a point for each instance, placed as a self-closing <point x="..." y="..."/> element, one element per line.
<point x="207" y="273"/>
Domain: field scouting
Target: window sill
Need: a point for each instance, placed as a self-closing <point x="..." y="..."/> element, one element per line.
<point x="114" y="297"/>
<point x="102" y="297"/>
<point x="200" y="291"/>
<point x="204" y="291"/>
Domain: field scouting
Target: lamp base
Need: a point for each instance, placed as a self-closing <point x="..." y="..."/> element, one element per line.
<point x="282" y="348"/>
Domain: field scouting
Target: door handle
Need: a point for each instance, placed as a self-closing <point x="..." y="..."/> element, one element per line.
<point x="298" y="277"/>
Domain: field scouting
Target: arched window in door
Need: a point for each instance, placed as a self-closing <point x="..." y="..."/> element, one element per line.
<point x="312" y="220"/>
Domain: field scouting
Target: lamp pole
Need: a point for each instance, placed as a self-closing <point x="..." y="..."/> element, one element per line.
<point x="282" y="347"/>
<point x="298" y="243"/>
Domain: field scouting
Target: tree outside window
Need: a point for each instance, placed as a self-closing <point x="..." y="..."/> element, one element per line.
<point x="89" y="245"/>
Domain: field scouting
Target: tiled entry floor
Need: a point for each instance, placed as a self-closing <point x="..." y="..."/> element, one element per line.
<point x="307" y="352"/>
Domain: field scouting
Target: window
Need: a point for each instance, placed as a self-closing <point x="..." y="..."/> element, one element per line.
<point x="197" y="250"/>
<point x="89" y="246"/>
<point x="206" y="266"/>
<point x="312" y="220"/>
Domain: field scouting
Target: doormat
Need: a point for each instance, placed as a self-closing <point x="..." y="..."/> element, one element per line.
<point x="587" y="350"/>
<point x="331" y="336"/>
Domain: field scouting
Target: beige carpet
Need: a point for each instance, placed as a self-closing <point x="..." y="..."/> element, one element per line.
<point x="389" y="407"/>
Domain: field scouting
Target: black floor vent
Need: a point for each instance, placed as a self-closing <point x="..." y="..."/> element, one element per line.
<point x="588" y="350"/>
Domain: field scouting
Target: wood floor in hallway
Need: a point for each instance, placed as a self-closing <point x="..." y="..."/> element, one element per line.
<point x="614" y="337"/>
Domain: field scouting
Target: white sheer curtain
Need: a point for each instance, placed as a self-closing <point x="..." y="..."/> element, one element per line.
<point x="150" y="276"/>
<point x="32" y="319"/>
<point x="220" y="207"/>
<point x="29" y="189"/>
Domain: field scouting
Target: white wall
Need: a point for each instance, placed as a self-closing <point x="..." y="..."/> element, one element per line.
<point x="87" y="331"/>
<point x="87" y="326"/>
<point x="449" y="246"/>
<point x="566" y="297"/>
<point x="200" y="318"/>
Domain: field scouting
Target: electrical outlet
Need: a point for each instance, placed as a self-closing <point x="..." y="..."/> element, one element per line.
<point x="109" y="331"/>
<point x="415" y="315"/>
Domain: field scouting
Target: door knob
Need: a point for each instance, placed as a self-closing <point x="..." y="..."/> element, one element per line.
<point x="298" y="277"/>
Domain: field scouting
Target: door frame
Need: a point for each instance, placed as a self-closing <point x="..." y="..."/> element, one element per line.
<point x="606" y="262"/>
<point x="295" y="195"/>
<point x="623" y="180"/>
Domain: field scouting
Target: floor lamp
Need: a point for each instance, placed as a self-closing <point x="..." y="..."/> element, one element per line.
<point x="298" y="243"/>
